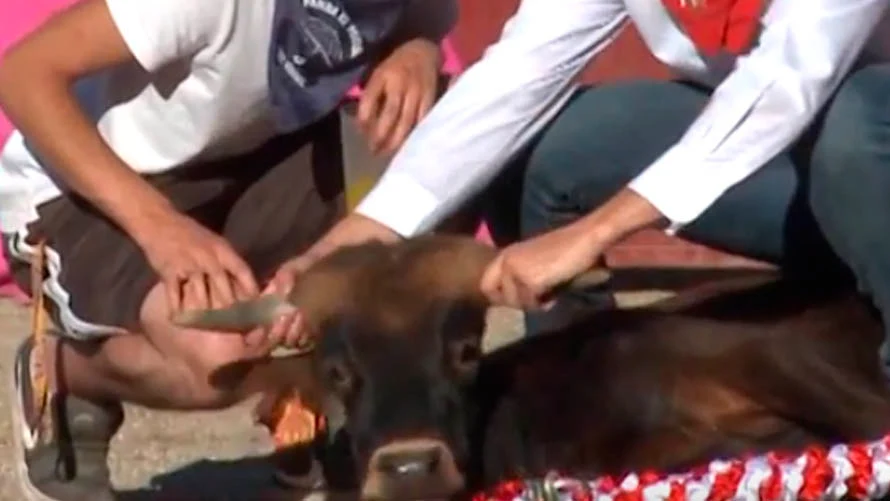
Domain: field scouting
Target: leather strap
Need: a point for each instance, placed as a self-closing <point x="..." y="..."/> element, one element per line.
<point x="39" y="326"/>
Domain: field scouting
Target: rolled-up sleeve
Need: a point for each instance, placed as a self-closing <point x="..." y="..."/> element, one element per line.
<point x="494" y="109"/>
<point x="763" y="106"/>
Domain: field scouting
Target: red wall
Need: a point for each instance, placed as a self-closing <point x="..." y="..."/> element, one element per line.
<point x="480" y="25"/>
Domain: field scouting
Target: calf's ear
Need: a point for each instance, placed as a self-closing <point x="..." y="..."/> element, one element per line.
<point x="299" y="371"/>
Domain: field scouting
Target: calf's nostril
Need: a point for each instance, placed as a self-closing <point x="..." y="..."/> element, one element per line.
<point x="419" y="469"/>
<point x="410" y="463"/>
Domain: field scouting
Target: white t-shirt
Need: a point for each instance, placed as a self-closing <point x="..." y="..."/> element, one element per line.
<point x="199" y="91"/>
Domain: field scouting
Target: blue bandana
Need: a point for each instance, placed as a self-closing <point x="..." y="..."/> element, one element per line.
<point x="319" y="50"/>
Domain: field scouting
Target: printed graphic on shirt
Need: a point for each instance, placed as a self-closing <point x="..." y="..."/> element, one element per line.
<point x="320" y="41"/>
<point x="321" y="48"/>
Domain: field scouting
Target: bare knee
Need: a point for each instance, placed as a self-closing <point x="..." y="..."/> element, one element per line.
<point x="211" y="368"/>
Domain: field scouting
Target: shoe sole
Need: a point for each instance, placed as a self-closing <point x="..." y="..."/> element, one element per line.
<point x="18" y="424"/>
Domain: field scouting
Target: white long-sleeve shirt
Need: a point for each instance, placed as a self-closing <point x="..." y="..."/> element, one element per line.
<point x="762" y="101"/>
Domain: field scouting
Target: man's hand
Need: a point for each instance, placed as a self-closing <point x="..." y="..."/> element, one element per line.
<point x="354" y="229"/>
<point x="199" y="269"/>
<point x="524" y="273"/>
<point x="400" y="92"/>
<point x="289" y="330"/>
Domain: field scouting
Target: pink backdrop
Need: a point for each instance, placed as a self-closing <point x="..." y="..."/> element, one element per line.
<point x="16" y="20"/>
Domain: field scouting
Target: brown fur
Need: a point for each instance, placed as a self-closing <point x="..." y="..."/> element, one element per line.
<point x="775" y="365"/>
<point x="387" y="283"/>
<point x="372" y="280"/>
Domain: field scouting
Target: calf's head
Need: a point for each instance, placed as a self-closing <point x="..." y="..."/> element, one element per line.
<point x="399" y="330"/>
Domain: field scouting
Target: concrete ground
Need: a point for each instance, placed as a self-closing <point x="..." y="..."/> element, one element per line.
<point x="214" y="456"/>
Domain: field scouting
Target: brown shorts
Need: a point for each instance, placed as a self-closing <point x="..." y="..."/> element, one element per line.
<point x="270" y="204"/>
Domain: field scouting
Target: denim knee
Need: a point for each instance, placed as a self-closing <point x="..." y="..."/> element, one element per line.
<point x="853" y="143"/>
<point x="603" y="138"/>
<point x="850" y="182"/>
<point x="850" y="164"/>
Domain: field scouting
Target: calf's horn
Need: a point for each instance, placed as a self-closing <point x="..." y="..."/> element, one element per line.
<point x="318" y="293"/>
<point x="449" y="266"/>
<point x="240" y="317"/>
<point x="454" y="265"/>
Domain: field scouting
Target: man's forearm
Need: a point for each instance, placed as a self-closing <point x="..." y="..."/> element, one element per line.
<point x="625" y="213"/>
<point x="43" y="108"/>
<point x="762" y="107"/>
<point x="427" y="21"/>
<point x="430" y="20"/>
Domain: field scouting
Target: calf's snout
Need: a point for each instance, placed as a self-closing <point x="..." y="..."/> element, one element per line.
<point x="412" y="469"/>
<point x="410" y="462"/>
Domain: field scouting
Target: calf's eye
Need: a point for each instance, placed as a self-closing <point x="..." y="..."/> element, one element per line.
<point x="465" y="356"/>
<point x="338" y="375"/>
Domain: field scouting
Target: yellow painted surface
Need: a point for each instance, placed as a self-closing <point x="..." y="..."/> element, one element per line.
<point x="357" y="189"/>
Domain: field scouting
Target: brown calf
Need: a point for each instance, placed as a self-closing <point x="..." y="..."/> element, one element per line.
<point x="398" y="367"/>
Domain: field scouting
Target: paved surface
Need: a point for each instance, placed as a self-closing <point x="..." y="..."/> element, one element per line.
<point x="168" y="456"/>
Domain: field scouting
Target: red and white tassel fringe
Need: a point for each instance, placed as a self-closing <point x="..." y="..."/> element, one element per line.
<point x="847" y="471"/>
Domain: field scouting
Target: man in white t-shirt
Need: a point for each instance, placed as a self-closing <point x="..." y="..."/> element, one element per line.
<point x="171" y="154"/>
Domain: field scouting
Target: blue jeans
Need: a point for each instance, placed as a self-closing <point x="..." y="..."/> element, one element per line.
<point x="820" y="209"/>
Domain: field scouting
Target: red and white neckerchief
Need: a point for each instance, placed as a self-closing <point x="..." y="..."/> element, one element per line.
<point x="718" y="25"/>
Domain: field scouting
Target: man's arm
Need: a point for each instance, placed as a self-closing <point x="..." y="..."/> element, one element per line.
<point x="405" y="80"/>
<point x="428" y="19"/>
<point x="37" y="74"/>
<point x="494" y="108"/>
<point x="763" y="106"/>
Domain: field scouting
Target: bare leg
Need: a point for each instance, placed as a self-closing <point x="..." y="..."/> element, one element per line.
<point x="164" y="368"/>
